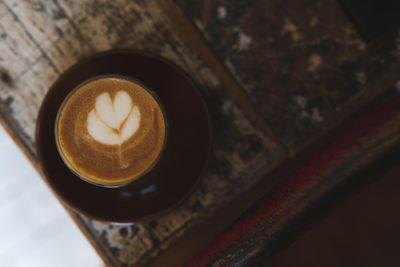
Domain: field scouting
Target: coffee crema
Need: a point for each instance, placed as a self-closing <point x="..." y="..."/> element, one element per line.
<point x="110" y="131"/>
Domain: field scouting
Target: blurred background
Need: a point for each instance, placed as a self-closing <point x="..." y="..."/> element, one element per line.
<point x="361" y="231"/>
<point x="35" y="230"/>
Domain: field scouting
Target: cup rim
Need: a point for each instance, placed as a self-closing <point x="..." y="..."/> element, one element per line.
<point x="111" y="76"/>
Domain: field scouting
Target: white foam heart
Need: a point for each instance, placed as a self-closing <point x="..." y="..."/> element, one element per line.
<point x="114" y="121"/>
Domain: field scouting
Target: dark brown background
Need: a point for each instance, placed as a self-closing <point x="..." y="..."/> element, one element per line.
<point x="361" y="231"/>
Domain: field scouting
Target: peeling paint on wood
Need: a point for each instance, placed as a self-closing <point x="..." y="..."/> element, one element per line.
<point x="315" y="53"/>
<point x="39" y="41"/>
<point x="298" y="68"/>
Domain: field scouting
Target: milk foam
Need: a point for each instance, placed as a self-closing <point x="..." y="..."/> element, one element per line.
<point x="110" y="131"/>
<point x="112" y="122"/>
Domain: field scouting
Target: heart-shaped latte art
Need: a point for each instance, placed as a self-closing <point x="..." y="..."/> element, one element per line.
<point x="114" y="121"/>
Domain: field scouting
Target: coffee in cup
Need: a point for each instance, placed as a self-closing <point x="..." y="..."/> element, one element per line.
<point x="110" y="130"/>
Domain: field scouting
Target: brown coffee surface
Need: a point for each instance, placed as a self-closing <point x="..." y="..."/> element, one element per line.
<point x="97" y="161"/>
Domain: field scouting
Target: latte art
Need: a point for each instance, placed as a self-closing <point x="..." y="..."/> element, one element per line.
<point x="113" y="122"/>
<point x="110" y="131"/>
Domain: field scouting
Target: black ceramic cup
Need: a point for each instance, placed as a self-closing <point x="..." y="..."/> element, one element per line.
<point x="178" y="170"/>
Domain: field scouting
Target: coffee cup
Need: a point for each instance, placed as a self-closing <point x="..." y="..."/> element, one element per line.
<point x="111" y="130"/>
<point x="175" y="165"/>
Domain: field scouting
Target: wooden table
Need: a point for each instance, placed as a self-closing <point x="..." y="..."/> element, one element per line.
<point x="274" y="79"/>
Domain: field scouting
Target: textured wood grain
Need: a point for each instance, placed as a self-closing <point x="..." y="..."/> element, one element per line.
<point x="355" y="154"/>
<point x="301" y="62"/>
<point x="301" y="70"/>
<point x="40" y="40"/>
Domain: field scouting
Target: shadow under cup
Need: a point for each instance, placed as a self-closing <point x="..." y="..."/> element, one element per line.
<point x="97" y="86"/>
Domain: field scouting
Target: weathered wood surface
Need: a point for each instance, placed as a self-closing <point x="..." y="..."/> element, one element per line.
<point x="302" y="63"/>
<point x="301" y="71"/>
<point x="40" y="40"/>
